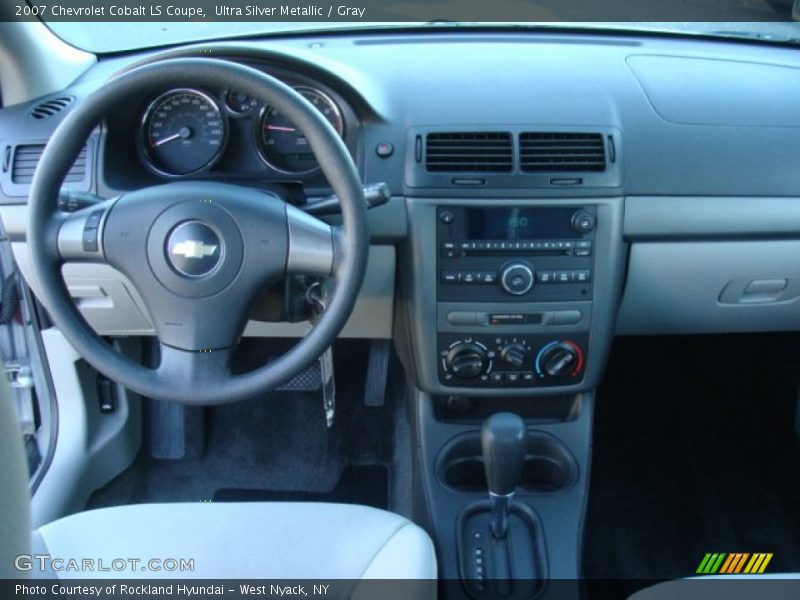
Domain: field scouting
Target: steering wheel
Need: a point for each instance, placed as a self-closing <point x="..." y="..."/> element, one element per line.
<point x="198" y="252"/>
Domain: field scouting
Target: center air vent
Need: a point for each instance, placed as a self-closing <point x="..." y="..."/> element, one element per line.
<point x="27" y="156"/>
<point x="549" y="152"/>
<point x="484" y="151"/>
<point x="50" y="107"/>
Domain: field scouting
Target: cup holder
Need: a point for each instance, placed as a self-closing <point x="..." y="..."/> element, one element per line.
<point x="549" y="466"/>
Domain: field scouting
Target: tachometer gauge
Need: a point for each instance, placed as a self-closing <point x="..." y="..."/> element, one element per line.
<point x="183" y="132"/>
<point x="283" y="146"/>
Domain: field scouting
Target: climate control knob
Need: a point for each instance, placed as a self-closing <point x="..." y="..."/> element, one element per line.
<point x="517" y="278"/>
<point x="514" y="355"/>
<point x="559" y="359"/>
<point x="466" y="360"/>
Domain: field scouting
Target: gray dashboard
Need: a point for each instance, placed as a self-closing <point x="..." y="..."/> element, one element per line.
<point x="703" y="196"/>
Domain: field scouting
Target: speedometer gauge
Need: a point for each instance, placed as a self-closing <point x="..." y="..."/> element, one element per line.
<point x="183" y="132"/>
<point x="283" y="146"/>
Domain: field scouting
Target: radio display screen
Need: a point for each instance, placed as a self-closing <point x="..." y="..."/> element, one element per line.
<point x="523" y="223"/>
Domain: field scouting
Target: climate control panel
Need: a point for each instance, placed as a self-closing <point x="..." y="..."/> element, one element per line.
<point x="487" y="360"/>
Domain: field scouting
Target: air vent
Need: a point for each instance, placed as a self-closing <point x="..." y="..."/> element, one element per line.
<point x="27" y="157"/>
<point x="50" y="107"/>
<point x="485" y="151"/>
<point x="549" y="152"/>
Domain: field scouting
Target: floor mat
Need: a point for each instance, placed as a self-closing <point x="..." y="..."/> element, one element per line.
<point x="362" y="484"/>
<point x="276" y="442"/>
<point x="694" y="452"/>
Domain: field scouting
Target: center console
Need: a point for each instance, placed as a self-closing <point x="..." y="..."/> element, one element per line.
<point x="507" y="305"/>
<point x="515" y="256"/>
<point x="514" y="296"/>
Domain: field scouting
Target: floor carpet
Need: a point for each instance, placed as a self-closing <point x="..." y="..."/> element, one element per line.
<point x="278" y="443"/>
<point x="364" y="484"/>
<point x="695" y="451"/>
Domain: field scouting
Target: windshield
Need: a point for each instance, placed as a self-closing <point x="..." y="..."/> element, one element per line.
<point x="117" y="25"/>
<point x="103" y="37"/>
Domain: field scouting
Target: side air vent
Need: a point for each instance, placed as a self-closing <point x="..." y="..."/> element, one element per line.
<point x="484" y="151"/>
<point x="550" y="152"/>
<point x="26" y="158"/>
<point x="50" y="107"/>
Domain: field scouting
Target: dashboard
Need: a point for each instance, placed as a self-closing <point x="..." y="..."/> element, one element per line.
<point x="548" y="191"/>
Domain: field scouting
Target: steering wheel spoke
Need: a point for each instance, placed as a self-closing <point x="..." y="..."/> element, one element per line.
<point x="182" y="371"/>
<point x="80" y="234"/>
<point x="311" y="244"/>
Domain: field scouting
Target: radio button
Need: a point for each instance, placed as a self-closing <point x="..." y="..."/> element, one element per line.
<point x="583" y="248"/>
<point x="462" y="318"/>
<point x="449" y="277"/>
<point x="512" y="377"/>
<point x="583" y="276"/>
<point x="489" y="277"/>
<point x="563" y="276"/>
<point x="566" y="317"/>
<point x="449" y="250"/>
<point x="545" y="276"/>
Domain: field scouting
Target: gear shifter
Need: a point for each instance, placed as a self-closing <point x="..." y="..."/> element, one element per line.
<point x="503" y="440"/>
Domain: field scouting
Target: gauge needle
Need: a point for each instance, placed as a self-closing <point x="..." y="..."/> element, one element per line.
<point x="280" y="128"/>
<point x="183" y="133"/>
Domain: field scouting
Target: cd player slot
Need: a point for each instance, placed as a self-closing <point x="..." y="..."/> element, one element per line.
<point x="512" y="252"/>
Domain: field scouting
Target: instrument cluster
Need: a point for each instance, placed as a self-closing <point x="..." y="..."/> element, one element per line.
<point x="186" y="131"/>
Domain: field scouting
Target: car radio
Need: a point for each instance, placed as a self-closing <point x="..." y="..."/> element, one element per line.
<point x="515" y="254"/>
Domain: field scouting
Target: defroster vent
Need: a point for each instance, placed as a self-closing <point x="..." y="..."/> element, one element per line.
<point x="48" y="108"/>
<point x="484" y="151"/>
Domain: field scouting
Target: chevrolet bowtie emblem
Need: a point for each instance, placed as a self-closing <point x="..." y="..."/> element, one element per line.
<point x="193" y="249"/>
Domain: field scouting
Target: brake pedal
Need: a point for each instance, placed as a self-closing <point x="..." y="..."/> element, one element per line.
<point x="377" y="373"/>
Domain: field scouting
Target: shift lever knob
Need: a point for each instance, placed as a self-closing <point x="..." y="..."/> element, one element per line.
<point x="503" y="440"/>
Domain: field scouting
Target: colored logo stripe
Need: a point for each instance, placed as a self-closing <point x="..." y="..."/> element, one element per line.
<point x="710" y="563"/>
<point x="734" y="563"/>
<point x="758" y="563"/>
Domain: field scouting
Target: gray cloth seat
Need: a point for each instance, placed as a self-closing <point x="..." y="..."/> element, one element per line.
<point x="258" y="540"/>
